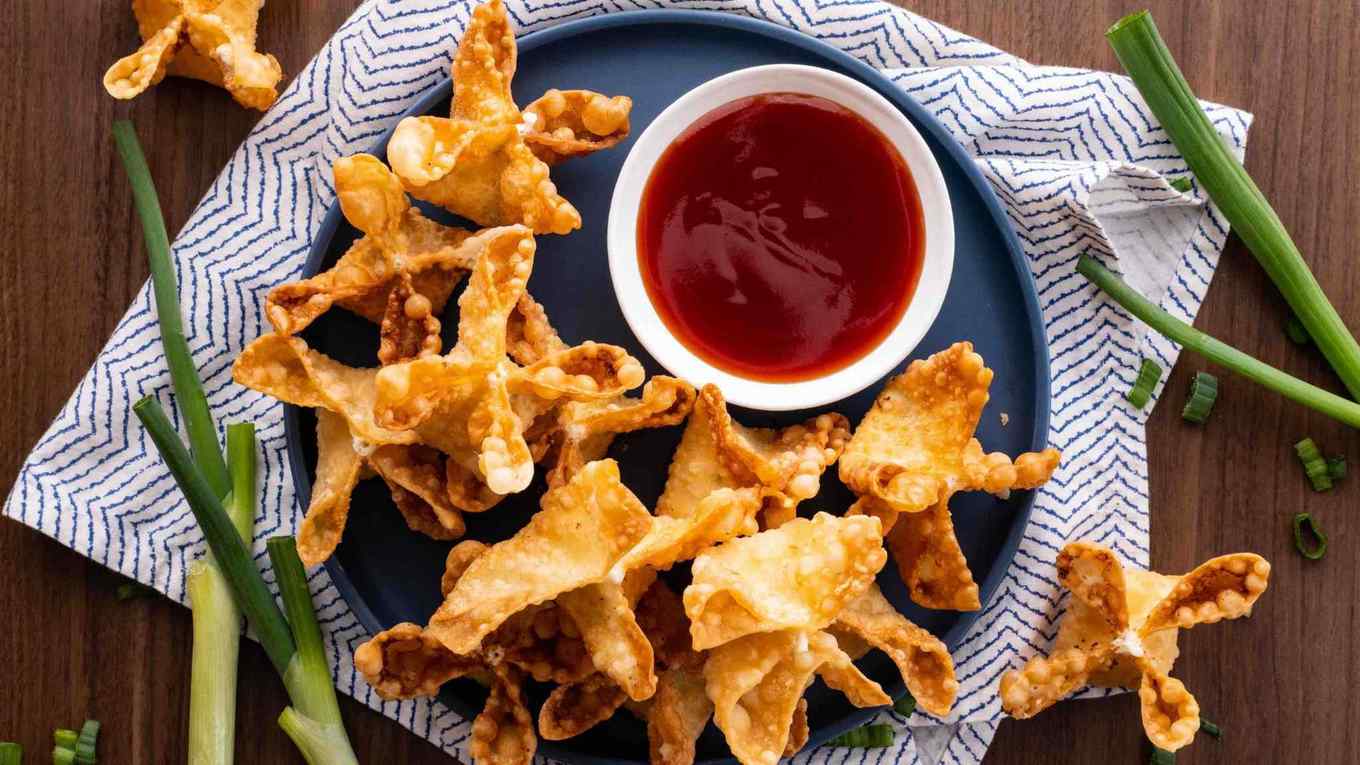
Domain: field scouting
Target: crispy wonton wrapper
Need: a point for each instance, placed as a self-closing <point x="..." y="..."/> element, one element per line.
<point x="921" y="658"/>
<point x="914" y="450"/>
<point x="757" y="682"/>
<point x="1120" y="630"/>
<point x="463" y="403"/>
<point x="915" y="447"/>
<point x="221" y="39"/>
<point x="799" y="576"/>
<point x="398" y="240"/>
<point x="476" y="162"/>
<point x="571" y="123"/>
<point x="584" y="528"/>
<point x="716" y="452"/>
<point x="575" y="708"/>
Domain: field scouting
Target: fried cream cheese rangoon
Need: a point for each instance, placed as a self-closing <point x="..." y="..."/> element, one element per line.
<point x="488" y="162"/>
<point x="780" y="467"/>
<point x="914" y="450"/>
<point x="772" y="612"/>
<point x="513" y="604"/>
<point x="208" y="40"/>
<point x="400" y="249"/>
<point x="1120" y="631"/>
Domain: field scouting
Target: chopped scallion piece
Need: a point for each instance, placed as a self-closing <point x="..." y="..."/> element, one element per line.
<point x="906" y="705"/>
<point x="1313" y="464"/>
<point x="1203" y="394"/>
<point x="63" y="756"/>
<point x="1149" y="374"/>
<point x="11" y="753"/>
<point x="1162" y="757"/>
<point x="870" y="736"/>
<point x="1145" y="57"/>
<point x="1210" y="728"/>
<point x="65" y="738"/>
<point x="1292" y="388"/>
<point x="1181" y="183"/>
<point x="1336" y="467"/>
<point x="1304" y="525"/>
<point x="1296" y="331"/>
<point x="87" y="742"/>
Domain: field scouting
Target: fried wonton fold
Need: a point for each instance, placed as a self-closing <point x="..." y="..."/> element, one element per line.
<point x="338" y="467"/>
<point x="799" y="576"/>
<point x="399" y="243"/>
<point x="405" y="663"/>
<point x="583" y="529"/>
<point x="477" y="162"/>
<point x="921" y="658"/>
<point x="915" y="446"/>
<point x="220" y="40"/>
<point x="572" y="123"/>
<point x="914" y="450"/>
<point x="575" y="708"/>
<point x="716" y="452"/>
<point x="1120" y="630"/>
<point x="756" y="683"/>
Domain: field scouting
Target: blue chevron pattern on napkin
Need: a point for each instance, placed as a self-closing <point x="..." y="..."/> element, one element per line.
<point x="1075" y="157"/>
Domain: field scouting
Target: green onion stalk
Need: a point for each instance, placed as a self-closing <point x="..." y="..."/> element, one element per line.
<point x="217" y="620"/>
<point x="313" y="722"/>
<point x="1145" y="57"/>
<point x="1311" y="396"/>
<point x="295" y="652"/>
<point x="189" y="396"/>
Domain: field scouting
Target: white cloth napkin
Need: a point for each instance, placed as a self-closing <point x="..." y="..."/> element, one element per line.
<point x="1075" y="157"/>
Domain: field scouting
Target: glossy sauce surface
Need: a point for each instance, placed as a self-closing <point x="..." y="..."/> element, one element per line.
<point x="780" y="237"/>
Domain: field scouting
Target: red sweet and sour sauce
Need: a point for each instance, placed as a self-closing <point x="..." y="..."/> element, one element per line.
<point x="780" y="237"/>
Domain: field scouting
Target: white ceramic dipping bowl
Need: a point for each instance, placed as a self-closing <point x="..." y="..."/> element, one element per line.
<point x="936" y="267"/>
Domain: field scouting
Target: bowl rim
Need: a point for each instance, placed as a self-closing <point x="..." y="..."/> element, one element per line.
<point x="931" y="286"/>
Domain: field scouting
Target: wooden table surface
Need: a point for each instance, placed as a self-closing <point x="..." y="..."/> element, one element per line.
<point x="1281" y="684"/>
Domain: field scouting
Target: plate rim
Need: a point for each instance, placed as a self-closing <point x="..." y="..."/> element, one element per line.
<point x="925" y="121"/>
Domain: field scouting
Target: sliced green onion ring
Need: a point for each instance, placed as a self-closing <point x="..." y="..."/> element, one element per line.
<point x="1210" y="728"/>
<point x="86" y="742"/>
<point x="1162" y="757"/>
<point x="1149" y="374"/>
<point x="1181" y="183"/>
<point x="1203" y="394"/>
<point x="870" y="736"/>
<point x="1304" y="525"/>
<point x="1313" y="464"/>
<point x="905" y="706"/>
<point x="1336" y="467"/>
<point x="11" y="753"/>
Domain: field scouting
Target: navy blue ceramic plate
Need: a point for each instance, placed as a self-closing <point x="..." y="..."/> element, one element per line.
<point x="389" y="574"/>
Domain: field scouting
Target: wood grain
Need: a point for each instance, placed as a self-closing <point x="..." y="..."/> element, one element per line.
<point x="1280" y="684"/>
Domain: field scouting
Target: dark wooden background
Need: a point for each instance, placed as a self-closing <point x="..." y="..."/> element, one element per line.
<point x="1282" y="684"/>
